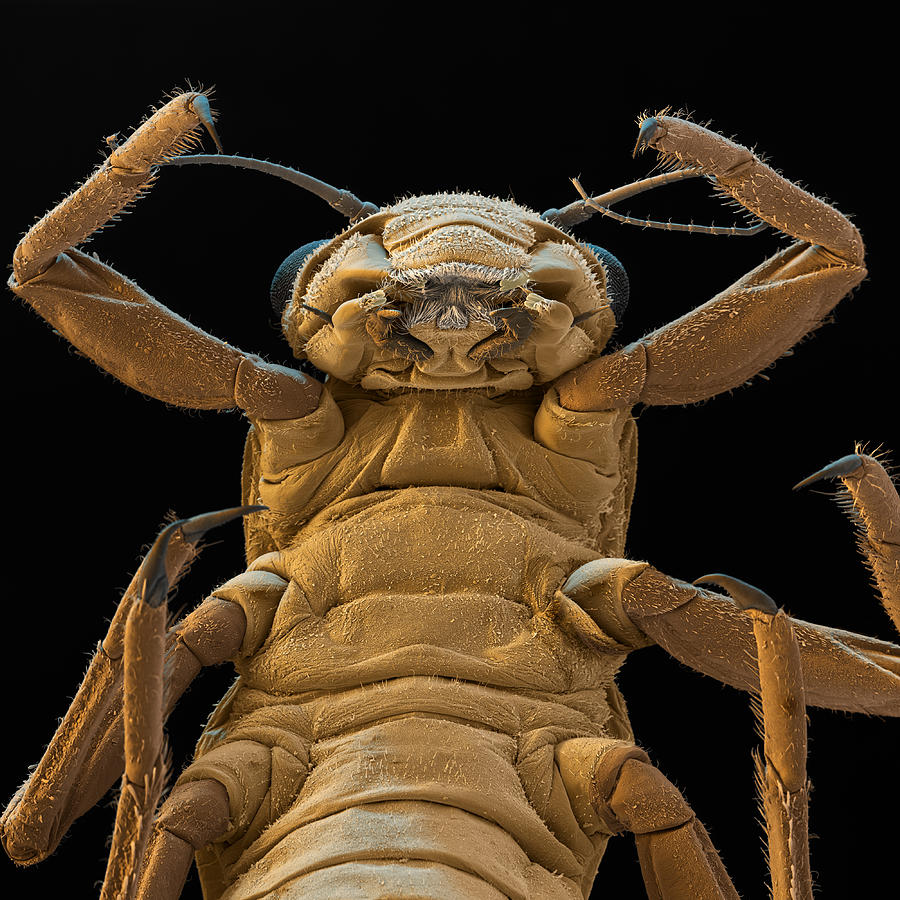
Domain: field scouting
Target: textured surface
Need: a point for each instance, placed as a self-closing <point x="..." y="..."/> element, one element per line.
<point x="466" y="685"/>
<point x="341" y="599"/>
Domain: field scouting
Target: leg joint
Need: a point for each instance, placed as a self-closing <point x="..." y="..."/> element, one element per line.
<point x="196" y="811"/>
<point x="644" y="800"/>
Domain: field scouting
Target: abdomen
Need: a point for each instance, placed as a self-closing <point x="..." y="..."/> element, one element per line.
<point x="417" y="787"/>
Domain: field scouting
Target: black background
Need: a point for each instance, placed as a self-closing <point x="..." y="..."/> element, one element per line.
<point x="387" y="103"/>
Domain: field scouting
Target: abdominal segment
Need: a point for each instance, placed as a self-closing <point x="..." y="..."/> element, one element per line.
<point x="417" y="787"/>
<point x="394" y="734"/>
<point x="406" y="734"/>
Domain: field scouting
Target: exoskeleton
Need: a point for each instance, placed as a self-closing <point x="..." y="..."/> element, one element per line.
<point x="437" y="601"/>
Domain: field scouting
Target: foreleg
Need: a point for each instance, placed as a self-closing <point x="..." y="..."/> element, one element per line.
<point x="125" y="175"/>
<point x="723" y="343"/>
<point x="116" y="324"/>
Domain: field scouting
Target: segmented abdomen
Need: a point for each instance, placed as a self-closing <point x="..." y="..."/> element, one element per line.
<point x="399" y="707"/>
<point x="418" y="804"/>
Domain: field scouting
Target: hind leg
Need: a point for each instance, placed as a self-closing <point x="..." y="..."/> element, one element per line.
<point x="216" y="798"/>
<point x="195" y="814"/>
<point x="613" y="787"/>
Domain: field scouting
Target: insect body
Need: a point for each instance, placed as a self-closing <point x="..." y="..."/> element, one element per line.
<point x="437" y="602"/>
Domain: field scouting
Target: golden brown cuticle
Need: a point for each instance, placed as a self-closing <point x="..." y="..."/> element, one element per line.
<point x="437" y="597"/>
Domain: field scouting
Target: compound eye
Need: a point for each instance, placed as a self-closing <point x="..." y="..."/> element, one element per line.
<point x="283" y="283"/>
<point x="617" y="284"/>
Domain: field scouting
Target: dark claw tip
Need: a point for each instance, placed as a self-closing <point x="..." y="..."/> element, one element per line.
<point x="194" y="528"/>
<point x="650" y="130"/>
<point x="846" y="465"/>
<point x="744" y="595"/>
<point x="155" y="582"/>
<point x="200" y="105"/>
